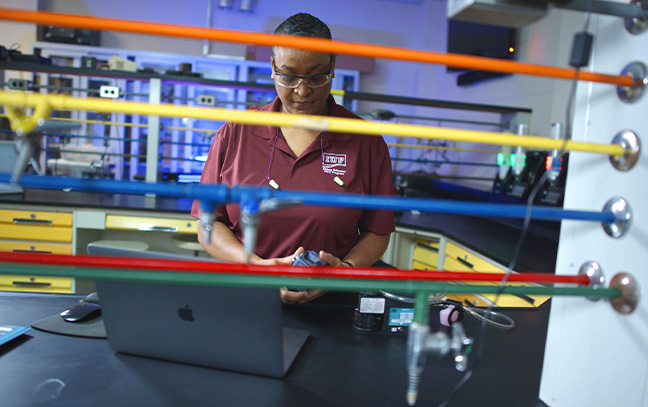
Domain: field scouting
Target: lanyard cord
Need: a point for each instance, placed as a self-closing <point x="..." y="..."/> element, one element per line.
<point x="272" y="182"/>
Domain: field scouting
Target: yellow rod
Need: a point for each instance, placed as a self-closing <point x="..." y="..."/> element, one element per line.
<point x="472" y="150"/>
<point x="119" y="123"/>
<point x="321" y="123"/>
<point x="100" y="122"/>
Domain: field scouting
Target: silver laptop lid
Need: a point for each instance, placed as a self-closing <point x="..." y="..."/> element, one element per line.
<point x="232" y="328"/>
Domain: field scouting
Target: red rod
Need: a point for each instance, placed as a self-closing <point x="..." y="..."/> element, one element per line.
<point x="232" y="268"/>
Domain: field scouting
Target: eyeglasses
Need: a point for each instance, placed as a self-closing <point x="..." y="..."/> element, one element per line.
<point x="313" y="81"/>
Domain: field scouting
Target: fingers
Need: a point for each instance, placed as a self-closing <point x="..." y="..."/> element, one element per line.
<point x="330" y="259"/>
<point x="312" y="294"/>
<point x="288" y="259"/>
<point x="299" y="297"/>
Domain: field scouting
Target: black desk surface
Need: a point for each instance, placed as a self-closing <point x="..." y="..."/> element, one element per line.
<point x="75" y="199"/>
<point x="337" y="367"/>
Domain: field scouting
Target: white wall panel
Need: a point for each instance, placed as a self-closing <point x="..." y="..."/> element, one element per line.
<point x="595" y="356"/>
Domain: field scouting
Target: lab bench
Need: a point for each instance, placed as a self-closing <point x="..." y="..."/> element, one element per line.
<point x="65" y="222"/>
<point x="337" y="366"/>
<point x="47" y="221"/>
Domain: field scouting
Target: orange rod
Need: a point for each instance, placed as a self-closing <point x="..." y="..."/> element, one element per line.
<point x="314" y="44"/>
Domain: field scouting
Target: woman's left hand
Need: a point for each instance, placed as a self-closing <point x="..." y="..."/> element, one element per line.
<point x="331" y="259"/>
<point x="302" y="297"/>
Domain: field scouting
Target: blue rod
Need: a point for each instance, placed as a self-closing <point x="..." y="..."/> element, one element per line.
<point x="220" y="193"/>
<point x="421" y="161"/>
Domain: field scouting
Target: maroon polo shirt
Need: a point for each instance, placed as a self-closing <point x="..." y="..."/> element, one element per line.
<point x="240" y="154"/>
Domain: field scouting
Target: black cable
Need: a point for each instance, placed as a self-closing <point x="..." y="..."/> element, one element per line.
<point x="525" y="228"/>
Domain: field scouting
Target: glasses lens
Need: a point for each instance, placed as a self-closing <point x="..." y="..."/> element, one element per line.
<point x="287" y="80"/>
<point x="316" y="81"/>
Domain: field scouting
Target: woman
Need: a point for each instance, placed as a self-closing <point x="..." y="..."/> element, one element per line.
<point x="301" y="159"/>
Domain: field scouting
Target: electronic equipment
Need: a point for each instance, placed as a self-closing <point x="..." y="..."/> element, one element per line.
<point x="392" y="314"/>
<point x="482" y="40"/>
<point x="86" y="309"/>
<point x="520" y="186"/>
<point x="67" y="35"/>
<point x="89" y="62"/>
<point x="553" y="191"/>
<point x="308" y="258"/>
<point x="116" y="63"/>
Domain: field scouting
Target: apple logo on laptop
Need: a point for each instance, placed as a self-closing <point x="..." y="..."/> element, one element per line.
<point x="186" y="313"/>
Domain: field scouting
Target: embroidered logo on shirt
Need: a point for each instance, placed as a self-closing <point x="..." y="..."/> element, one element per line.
<point x="334" y="163"/>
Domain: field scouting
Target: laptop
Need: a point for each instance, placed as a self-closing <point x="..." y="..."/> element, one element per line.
<point x="231" y="328"/>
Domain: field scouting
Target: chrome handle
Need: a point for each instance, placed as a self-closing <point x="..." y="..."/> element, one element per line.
<point x="22" y="221"/>
<point x="31" y="284"/>
<point x="150" y="228"/>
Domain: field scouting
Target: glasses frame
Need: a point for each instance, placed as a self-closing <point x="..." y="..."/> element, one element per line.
<point x="303" y="78"/>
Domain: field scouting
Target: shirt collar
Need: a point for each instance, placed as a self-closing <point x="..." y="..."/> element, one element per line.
<point x="269" y="132"/>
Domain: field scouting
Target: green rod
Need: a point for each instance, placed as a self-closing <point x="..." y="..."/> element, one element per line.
<point x="423" y="288"/>
<point x="422" y="308"/>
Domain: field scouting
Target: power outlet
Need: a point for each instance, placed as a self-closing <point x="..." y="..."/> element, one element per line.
<point x="206" y="100"/>
<point x="19" y="84"/>
<point x="111" y="92"/>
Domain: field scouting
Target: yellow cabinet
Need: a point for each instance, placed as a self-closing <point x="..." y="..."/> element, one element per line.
<point x="457" y="255"/>
<point x="460" y="259"/>
<point x="35" y="247"/>
<point x="150" y="224"/>
<point x="36" y="226"/>
<point x="10" y="282"/>
<point x="422" y="266"/>
<point x="35" y="232"/>
<point x="425" y="254"/>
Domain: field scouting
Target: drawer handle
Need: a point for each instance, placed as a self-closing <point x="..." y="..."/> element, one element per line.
<point x="22" y="221"/>
<point x="31" y="284"/>
<point x="464" y="262"/>
<point x="32" y="251"/>
<point x="426" y="247"/>
<point x="151" y="228"/>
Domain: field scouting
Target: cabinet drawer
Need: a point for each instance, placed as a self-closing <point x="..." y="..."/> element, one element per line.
<point x="426" y="252"/>
<point x="35" y="218"/>
<point x="505" y="300"/>
<point x="451" y="264"/>
<point x="9" y="282"/>
<point x="35" y="247"/>
<point x="36" y="233"/>
<point x="469" y="260"/>
<point x="422" y="266"/>
<point x="151" y="224"/>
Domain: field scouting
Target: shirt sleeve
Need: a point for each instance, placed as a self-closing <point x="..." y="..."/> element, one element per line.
<point x="380" y="173"/>
<point x="212" y="171"/>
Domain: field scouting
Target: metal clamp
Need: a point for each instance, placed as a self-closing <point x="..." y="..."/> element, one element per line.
<point x="629" y="293"/>
<point x="422" y="343"/>
<point x="629" y="140"/>
<point x="637" y="25"/>
<point x="595" y="273"/>
<point x="622" y="217"/>
<point x="639" y="73"/>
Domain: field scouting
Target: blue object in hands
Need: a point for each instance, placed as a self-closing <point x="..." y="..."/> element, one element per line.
<point x="308" y="258"/>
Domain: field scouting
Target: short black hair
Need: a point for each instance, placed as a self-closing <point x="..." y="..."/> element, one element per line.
<point x="304" y="25"/>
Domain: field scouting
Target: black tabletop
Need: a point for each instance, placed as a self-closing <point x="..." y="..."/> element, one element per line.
<point x="337" y="367"/>
<point x="98" y="200"/>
